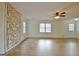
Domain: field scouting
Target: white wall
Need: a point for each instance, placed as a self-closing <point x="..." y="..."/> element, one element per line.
<point x="33" y="28"/>
<point x="2" y="28"/>
<point x="68" y="34"/>
<point x="59" y="29"/>
<point x="24" y="35"/>
<point x="78" y="29"/>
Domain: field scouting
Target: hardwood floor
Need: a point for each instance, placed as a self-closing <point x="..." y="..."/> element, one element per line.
<point x="46" y="47"/>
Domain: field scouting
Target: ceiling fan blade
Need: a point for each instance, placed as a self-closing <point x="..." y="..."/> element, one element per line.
<point x="63" y="12"/>
<point x="57" y="13"/>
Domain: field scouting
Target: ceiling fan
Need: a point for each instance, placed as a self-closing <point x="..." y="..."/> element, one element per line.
<point x="61" y="14"/>
<point x="63" y="11"/>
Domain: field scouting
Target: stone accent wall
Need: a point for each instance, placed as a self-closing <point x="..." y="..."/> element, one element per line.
<point x="13" y="26"/>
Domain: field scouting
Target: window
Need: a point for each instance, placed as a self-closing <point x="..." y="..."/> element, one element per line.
<point x="24" y="27"/>
<point x="71" y="27"/>
<point x="42" y="27"/>
<point x="45" y="27"/>
<point x="48" y="27"/>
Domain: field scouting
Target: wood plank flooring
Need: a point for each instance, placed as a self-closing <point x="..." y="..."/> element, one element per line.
<point x="46" y="47"/>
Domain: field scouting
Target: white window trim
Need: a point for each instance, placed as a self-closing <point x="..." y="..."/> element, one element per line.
<point x="73" y="29"/>
<point x="45" y="28"/>
<point x="24" y="27"/>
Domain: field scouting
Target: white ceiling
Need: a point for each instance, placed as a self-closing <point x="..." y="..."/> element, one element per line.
<point x="44" y="10"/>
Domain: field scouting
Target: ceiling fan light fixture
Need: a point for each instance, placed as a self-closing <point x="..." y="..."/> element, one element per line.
<point x="57" y="17"/>
<point x="77" y="19"/>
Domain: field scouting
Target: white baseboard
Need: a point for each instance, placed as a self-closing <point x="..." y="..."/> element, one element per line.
<point x="52" y="38"/>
